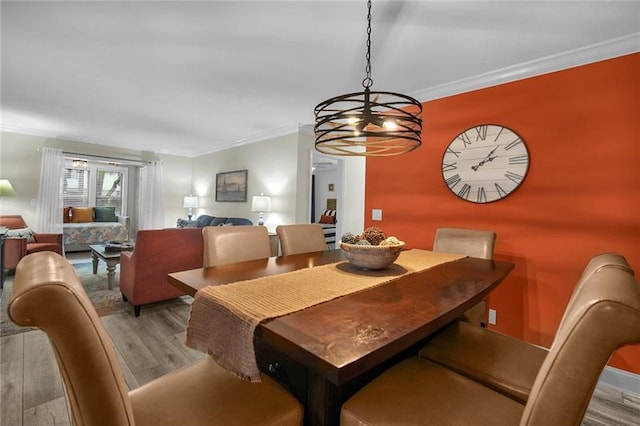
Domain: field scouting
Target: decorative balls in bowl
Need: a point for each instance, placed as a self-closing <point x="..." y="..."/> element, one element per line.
<point x="371" y="250"/>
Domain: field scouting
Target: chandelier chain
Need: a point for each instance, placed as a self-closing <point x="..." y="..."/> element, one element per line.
<point x="368" y="82"/>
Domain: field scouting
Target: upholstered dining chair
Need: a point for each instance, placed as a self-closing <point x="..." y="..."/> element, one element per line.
<point x="47" y="294"/>
<point x="505" y="363"/>
<point x="470" y="242"/>
<point x="301" y="238"/>
<point x="602" y="315"/>
<point x="231" y="244"/>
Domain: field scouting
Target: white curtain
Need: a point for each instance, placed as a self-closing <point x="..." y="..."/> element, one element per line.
<point x="49" y="209"/>
<point x="151" y="197"/>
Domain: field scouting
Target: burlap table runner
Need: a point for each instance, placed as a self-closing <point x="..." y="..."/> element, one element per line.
<point x="224" y="318"/>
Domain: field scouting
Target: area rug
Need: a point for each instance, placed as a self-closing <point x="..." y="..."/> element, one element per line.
<point x="106" y="301"/>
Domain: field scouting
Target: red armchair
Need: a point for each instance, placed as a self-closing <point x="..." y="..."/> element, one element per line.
<point x="157" y="253"/>
<point x="16" y="248"/>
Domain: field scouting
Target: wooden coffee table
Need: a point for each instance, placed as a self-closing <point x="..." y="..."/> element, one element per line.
<point x="111" y="258"/>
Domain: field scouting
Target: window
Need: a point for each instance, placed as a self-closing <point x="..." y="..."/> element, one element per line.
<point x="94" y="184"/>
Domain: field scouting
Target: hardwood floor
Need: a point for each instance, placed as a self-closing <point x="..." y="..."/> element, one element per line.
<point x="152" y="345"/>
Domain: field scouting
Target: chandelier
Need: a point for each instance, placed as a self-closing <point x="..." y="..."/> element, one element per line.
<point x="368" y="123"/>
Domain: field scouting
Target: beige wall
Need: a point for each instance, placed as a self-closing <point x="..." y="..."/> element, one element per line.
<point x="272" y="167"/>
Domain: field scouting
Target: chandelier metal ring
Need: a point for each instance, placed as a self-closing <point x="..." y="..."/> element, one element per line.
<point x="368" y="123"/>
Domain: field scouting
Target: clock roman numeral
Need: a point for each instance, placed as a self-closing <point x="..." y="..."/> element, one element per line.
<point x="518" y="160"/>
<point x="448" y="167"/>
<point x="451" y="151"/>
<point x="452" y="181"/>
<point x="514" y="177"/>
<point x="501" y="192"/>
<point x="464" y="138"/>
<point x="481" y="132"/>
<point x="498" y="135"/>
<point x="512" y="144"/>
<point x="464" y="191"/>
<point x="482" y="196"/>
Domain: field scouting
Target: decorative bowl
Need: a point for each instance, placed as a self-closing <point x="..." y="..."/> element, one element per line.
<point x="371" y="257"/>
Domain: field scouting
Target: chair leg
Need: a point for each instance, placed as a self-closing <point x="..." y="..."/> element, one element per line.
<point x="136" y="310"/>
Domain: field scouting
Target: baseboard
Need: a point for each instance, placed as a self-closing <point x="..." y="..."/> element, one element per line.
<point x="621" y="379"/>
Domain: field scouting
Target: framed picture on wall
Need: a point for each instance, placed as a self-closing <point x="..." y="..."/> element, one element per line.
<point x="231" y="186"/>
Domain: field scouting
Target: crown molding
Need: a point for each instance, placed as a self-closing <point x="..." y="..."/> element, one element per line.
<point x="585" y="55"/>
<point x="258" y="137"/>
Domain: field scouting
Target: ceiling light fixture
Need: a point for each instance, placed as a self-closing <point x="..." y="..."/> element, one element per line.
<point x="368" y="123"/>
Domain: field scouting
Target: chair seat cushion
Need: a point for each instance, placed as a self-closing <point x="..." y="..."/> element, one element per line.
<point x="496" y="360"/>
<point x="418" y="391"/>
<point x="204" y="394"/>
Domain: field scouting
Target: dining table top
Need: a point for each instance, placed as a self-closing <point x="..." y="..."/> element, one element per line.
<point x="194" y="279"/>
<point x="338" y="342"/>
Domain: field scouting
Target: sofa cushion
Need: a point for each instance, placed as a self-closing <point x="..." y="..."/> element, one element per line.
<point x="329" y="220"/>
<point x="203" y="220"/>
<point x="81" y="214"/>
<point x="105" y="214"/>
<point x="66" y="215"/>
<point x="21" y="233"/>
<point x="238" y="221"/>
<point x="217" y="221"/>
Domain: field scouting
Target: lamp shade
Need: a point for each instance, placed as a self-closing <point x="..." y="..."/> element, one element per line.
<point x="190" y="202"/>
<point x="261" y="203"/>
<point x="6" y="189"/>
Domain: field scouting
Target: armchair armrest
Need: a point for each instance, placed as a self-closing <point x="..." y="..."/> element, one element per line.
<point x="126" y="221"/>
<point x="14" y="250"/>
<point x="503" y="363"/>
<point x="127" y="273"/>
<point x="48" y="238"/>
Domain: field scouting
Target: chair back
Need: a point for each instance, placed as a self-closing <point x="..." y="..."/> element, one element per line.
<point x="12" y="221"/>
<point x="47" y="294"/>
<point x="470" y="242"/>
<point x="603" y="315"/>
<point x="231" y="244"/>
<point x="302" y="238"/>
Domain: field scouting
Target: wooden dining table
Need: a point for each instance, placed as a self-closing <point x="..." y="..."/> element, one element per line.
<point x="323" y="354"/>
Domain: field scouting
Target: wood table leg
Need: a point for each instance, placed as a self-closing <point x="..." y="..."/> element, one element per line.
<point x="323" y="401"/>
<point x="111" y="272"/>
<point x="94" y="261"/>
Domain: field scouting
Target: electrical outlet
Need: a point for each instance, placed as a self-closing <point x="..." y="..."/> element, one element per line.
<point x="376" y="214"/>
<point x="492" y="316"/>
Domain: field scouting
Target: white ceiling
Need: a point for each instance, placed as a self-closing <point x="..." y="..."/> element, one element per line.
<point x="188" y="78"/>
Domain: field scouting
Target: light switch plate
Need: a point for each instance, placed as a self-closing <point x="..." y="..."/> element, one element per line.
<point x="376" y="214"/>
<point x="492" y="316"/>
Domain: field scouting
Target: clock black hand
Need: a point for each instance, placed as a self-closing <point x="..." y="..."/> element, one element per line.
<point x="486" y="160"/>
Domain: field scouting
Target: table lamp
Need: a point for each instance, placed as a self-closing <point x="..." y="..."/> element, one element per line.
<point x="190" y="202"/>
<point x="6" y="189"/>
<point x="261" y="203"/>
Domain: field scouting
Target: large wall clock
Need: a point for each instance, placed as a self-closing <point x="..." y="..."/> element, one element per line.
<point x="485" y="163"/>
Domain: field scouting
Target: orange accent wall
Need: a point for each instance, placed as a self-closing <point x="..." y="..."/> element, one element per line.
<point x="581" y="196"/>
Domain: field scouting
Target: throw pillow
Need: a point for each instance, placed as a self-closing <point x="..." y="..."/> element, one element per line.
<point x="81" y="214"/>
<point x="217" y="221"/>
<point x="105" y="214"/>
<point x="66" y="215"/>
<point x="21" y="233"/>
<point x="327" y="219"/>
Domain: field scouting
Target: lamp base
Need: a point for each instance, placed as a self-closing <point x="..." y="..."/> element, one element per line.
<point x="261" y="219"/>
<point x="189" y="214"/>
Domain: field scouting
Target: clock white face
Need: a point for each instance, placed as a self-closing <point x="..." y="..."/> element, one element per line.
<point x="485" y="163"/>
